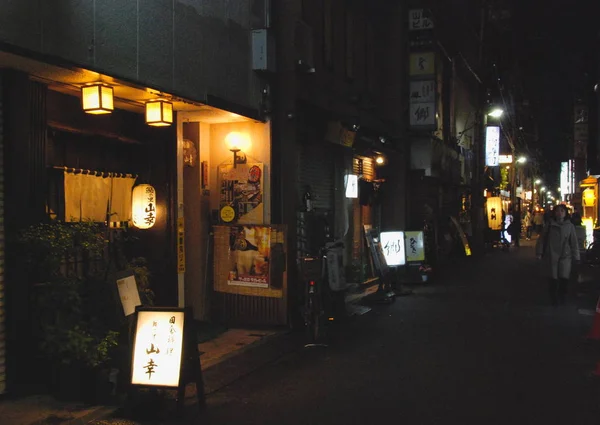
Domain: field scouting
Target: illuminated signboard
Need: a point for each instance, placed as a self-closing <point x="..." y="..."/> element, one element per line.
<point x="158" y="348"/>
<point x="564" y="179"/>
<point x="492" y="146"/>
<point x="392" y="244"/>
<point x="505" y="159"/>
<point x="414" y="246"/>
<point x="351" y="186"/>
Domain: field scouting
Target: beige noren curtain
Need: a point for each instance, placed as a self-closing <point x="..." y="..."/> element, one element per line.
<point x="89" y="197"/>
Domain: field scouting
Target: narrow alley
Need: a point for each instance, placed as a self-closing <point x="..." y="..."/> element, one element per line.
<point x="481" y="345"/>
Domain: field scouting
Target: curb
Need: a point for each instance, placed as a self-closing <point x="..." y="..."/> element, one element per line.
<point x="98" y="413"/>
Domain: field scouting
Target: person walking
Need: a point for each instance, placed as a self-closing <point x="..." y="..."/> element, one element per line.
<point x="528" y="224"/>
<point x="557" y="248"/>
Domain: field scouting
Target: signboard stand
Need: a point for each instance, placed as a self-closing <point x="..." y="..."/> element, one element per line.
<point x="189" y="370"/>
<point x="385" y="292"/>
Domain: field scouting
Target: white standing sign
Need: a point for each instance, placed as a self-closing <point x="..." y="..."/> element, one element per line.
<point x="129" y="295"/>
<point x="492" y="146"/>
<point x="392" y="244"/>
<point x="158" y="348"/>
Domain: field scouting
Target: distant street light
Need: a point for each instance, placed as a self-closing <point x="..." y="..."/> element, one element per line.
<point x="496" y="113"/>
<point x="538" y="181"/>
<point x="542" y="188"/>
<point x="522" y="160"/>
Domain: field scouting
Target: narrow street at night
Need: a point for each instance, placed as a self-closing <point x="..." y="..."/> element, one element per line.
<point x="481" y="345"/>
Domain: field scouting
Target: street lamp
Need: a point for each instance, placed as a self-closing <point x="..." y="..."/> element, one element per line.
<point x="496" y="113"/>
<point x="538" y="181"/>
<point x="522" y="160"/>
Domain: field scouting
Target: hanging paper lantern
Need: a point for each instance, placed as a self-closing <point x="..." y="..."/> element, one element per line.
<point x="143" y="206"/>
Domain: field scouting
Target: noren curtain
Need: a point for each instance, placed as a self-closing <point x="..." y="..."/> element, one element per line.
<point x="90" y="197"/>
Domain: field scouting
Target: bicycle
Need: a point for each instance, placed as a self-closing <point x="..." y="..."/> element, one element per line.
<point x="319" y="296"/>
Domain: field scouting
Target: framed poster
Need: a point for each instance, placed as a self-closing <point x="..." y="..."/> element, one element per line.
<point x="250" y="249"/>
<point x="241" y="193"/>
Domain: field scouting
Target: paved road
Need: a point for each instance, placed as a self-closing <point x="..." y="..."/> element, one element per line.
<point x="479" y="346"/>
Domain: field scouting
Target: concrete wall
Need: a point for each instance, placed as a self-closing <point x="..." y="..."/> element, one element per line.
<point x="192" y="48"/>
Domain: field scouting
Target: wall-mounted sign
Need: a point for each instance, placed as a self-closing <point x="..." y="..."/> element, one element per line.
<point x="227" y="214"/>
<point x="422" y="91"/>
<point x="492" y="146"/>
<point x="421" y="64"/>
<point x="418" y="20"/>
<point x="241" y="188"/>
<point x="351" y="181"/>
<point x="505" y="159"/>
<point x="180" y="245"/>
<point x="494" y="213"/>
<point x="128" y="293"/>
<point x="249" y="254"/>
<point x="422" y="114"/>
<point x="392" y="244"/>
<point x="158" y="348"/>
<point x="414" y="246"/>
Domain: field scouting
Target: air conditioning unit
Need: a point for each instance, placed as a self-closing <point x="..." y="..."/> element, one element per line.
<point x="263" y="51"/>
<point x="304" y="43"/>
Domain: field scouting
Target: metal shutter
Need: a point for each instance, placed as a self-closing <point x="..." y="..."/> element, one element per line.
<point x="2" y="296"/>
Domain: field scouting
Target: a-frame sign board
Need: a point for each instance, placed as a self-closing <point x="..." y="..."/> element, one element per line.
<point x="165" y="352"/>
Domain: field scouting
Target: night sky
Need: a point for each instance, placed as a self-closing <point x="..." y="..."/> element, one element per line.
<point x="555" y="43"/>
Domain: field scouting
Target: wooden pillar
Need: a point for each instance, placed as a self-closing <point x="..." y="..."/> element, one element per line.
<point x="24" y="110"/>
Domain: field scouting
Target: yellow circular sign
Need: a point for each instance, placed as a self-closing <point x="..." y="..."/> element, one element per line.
<point x="227" y="214"/>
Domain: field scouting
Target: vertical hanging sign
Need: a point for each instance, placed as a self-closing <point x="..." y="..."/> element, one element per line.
<point x="492" y="146"/>
<point x="422" y="103"/>
<point x="180" y="245"/>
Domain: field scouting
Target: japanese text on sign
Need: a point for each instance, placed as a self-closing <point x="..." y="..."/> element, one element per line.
<point x="492" y="146"/>
<point x="417" y="20"/>
<point x="392" y="244"/>
<point x="414" y="246"/>
<point x="158" y="348"/>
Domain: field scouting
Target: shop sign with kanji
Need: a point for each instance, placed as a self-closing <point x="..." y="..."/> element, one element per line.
<point x="158" y="348"/>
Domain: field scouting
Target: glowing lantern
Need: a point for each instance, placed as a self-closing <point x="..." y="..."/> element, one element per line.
<point x="159" y="113"/>
<point x="143" y="206"/>
<point x="494" y="213"/>
<point x="97" y="99"/>
<point x="589" y="199"/>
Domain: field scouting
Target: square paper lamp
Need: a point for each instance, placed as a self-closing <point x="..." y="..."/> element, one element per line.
<point x="97" y="99"/>
<point x="159" y="113"/>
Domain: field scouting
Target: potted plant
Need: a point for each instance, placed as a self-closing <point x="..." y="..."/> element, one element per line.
<point x="425" y="270"/>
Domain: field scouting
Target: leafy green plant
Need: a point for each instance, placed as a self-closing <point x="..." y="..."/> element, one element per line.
<point x="139" y="265"/>
<point x="74" y="307"/>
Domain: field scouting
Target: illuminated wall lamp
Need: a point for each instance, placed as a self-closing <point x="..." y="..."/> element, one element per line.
<point x="97" y="99"/>
<point x="237" y="142"/>
<point x="159" y="113"/>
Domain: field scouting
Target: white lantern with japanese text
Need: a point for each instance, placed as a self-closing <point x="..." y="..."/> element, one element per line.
<point x="494" y="213"/>
<point x="143" y="206"/>
<point x="392" y="244"/>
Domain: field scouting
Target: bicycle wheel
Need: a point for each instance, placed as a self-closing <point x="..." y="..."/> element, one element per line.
<point x="313" y="319"/>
